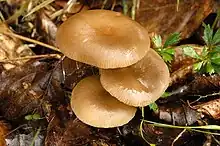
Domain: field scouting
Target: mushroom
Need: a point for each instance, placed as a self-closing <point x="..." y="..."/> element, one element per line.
<point x="139" y="84"/>
<point x="96" y="107"/>
<point x="103" y="38"/>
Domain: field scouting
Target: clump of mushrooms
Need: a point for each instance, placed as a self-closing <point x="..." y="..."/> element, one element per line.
<point x="131" y="73"/>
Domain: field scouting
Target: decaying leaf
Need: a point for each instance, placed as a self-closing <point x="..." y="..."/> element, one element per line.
<point x="11" y="48"/>
<point x="178" y="114"/>
<point x="162" y="17"/>
<point x="74" y="132"/>
<point x="3" y="131"/>
<point x="22" y="88"/>
<point x="211" y="108"/>
<point x="46" y="27"/>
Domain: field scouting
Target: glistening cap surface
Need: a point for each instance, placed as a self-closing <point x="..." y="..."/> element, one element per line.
<point x="103" y="38"/>
<point x="96" y="107"/>
<point x="139" y="84"/>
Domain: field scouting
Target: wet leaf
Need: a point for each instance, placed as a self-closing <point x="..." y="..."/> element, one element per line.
<point x="153" y="106"/>
<point x="27" y="88"/>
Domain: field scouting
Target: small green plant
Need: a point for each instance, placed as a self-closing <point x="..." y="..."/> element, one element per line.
<point x="153" y="106"/>
<point x="33" y="117"/>
<point x="165" y="50"/>
<point x="209" y="59"/>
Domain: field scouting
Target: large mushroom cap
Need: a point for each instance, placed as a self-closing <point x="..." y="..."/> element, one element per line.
<point x="96" y="107"/>
<point x="139" y="84"/>
<point x="103" y="38"/>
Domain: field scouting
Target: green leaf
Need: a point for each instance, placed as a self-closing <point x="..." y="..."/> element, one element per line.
<point x="157" y="40"/>
<point x="36" y="117"/>
<point x="153" y="106"/>
<point x="208" y="33"/>
<point x="172" y="40"/>
<point x="205" y="51"/>
<point x="197" y="66"/>
<point x="216" y="58"/>
<point x="28" y="117"/>
<point x="170" y="51"/>
<point x="165" y="94"/>
<point x="216" y="49"/>
<point x="209" y="68"/>
<point x="166" y="57"/>
<point x="189" y="51"/>
<point x="216" y="38"/>
<point x="217" y="68"/>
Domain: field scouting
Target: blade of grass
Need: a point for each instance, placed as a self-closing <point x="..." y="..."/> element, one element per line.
<point x="35" y="136"/>
<point x="207" y="127"/>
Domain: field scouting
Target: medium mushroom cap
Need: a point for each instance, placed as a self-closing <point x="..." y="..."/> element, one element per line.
<point x="96" y="107"/>
<point x="103" y="38"/>
<point x="139" y="84"/>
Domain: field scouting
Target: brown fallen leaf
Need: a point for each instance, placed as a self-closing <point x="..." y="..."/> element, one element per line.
<point x="162" y="17"/>
<point x="11" y="48"/>
<point x="3" y="132"/>
<point x="211" y="108"/>
<point x="22" y="88"/>
<point x="74" y="132"/>
<point x="46" y="27"/>
<point x="177" y="114"/>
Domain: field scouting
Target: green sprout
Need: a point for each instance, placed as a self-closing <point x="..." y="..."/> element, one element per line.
<point x="209" y="59"/>
<point x="165" y="50"/>
<point x="33" y="117"/>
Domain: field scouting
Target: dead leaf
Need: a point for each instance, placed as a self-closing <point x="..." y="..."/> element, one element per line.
<point x="162" y="17"/>
<point x="11" y="48"/>
<point x="211" y="108"/>
<point x="22" y="88"/>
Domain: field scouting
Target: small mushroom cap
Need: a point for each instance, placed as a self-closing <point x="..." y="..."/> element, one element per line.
<point x="96" y="107"/>
<point x="139" y="84"/>
<point x="103" y="38"/>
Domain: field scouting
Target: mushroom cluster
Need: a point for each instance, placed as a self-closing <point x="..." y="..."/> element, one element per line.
<point x="131" y="73"/>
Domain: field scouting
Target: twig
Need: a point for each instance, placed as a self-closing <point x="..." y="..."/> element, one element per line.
<point x="31" y="40"/>
<point x="179" y="135"/>
<point x="32" y="57"/>
<point x="204" y="96"/>
<point x="15" y="129"/>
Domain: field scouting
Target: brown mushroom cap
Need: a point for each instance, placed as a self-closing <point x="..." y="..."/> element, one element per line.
<point x="103" y="38"/>
<point x="96" y="107"/>
<point x="139" y="84"/>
